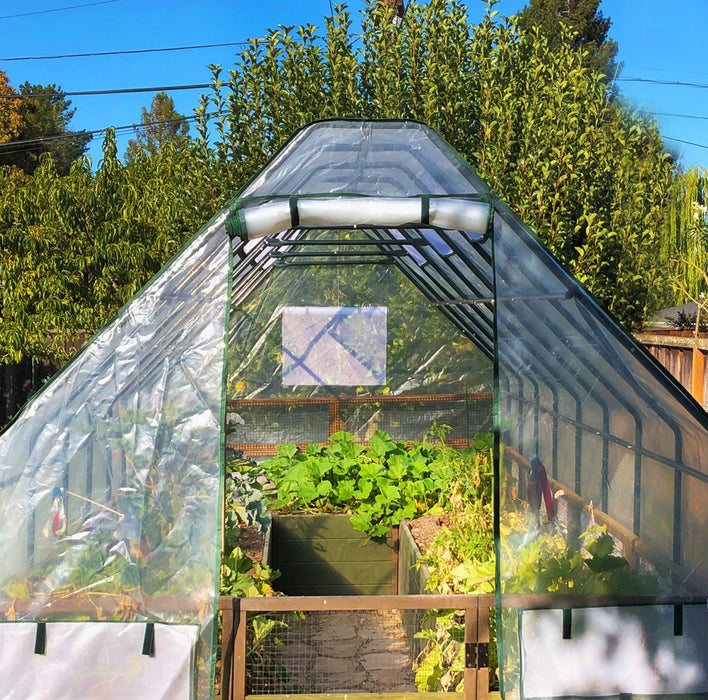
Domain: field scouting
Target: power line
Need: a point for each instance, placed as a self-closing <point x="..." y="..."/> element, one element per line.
<point x="654" y="81"/>
<point x="124" y="52"/>
<point x="674" y="114"/>
<point x="58" y="9"/>
<point x="121" y="91"/>
<point x="689" y="143"/>
<point x="29" y="144"/>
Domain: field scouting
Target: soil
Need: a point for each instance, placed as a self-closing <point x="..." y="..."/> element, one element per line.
<point x="251" y="541"/>
<point x="426" y="527"/>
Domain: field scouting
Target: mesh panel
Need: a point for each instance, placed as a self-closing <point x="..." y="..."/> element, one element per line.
<point x="256" y="426"/>
<point x="332" y="651"/>
<point x="410" y="420"/>
<point x="272" y="423"/>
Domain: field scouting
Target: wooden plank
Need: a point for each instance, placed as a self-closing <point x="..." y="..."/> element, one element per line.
<point x="322" y="554"/>
<point x="394" y="559"/>
<point x="367" y="696"/>
<point x="483" y="612"/>
<point x="470" y="675"/>
<point x="268" y="449"/>
<point x="341" y="590"/>
<point x="698" y="369"/>
<point x="239" y="666"/>
<point x="227" y="646"/>
<point x="407" y="398"/>
<point x="458" y="601"/>
<point x="672" y="341"/>
<point x="412" y="578"/>
<point x="381" y="602"/>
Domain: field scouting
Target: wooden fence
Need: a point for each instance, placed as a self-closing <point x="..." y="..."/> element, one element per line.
<point x="684" y="357"/>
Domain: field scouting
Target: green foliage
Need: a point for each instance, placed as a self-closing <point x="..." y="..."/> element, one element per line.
<point x="460" y="560"/>
<point x="162" y="124"/>
<point x="530" y="113"/>
<point x="548" y="564"/>
<point x="42" y="117"/>
<point x="244" y="499"/>
<point x="241" y="576"/>
<point x="442" y="663"/>
<point x="526" y="107"/>
<point x="75" y="248"/>
<point x="685" y="240"/>
<point x="380" y="486"/>
<point x="10" y="111"/>
<point x="587" y="23"/>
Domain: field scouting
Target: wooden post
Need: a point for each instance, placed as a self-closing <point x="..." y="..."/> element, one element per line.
<point x="395" y="547"/>
<point x="227" y="646"/>
<point x="483" y="639"/>
<point x="335" y="422"/>
<point x="239" y="674"/>
<point x="698" y="374"/>
<point x="471" y="624"/>
<point x="477" y="651"/>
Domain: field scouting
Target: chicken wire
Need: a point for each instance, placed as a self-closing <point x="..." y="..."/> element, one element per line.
<point x="333" y="652"/>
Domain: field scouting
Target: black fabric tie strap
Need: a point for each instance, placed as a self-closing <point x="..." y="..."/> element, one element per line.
<point x="149" y="640"/>
<point x="40" y="640"/>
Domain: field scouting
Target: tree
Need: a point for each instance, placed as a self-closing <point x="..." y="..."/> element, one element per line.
<point x="75" y="248"/>
<point x="162" y="124"/>
<point x="45" y="120"/>
<point x="587" y="174"/>
<point x="527" y="110"/>
<point x="587" y="23"/>
<point x="686" y="235"/>
<point x="10" y="118"/>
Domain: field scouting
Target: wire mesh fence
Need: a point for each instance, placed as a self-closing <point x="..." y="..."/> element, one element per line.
<point x="332" y="652"/>
<point x="256" y="426"/>
<point x="375" y="645"/>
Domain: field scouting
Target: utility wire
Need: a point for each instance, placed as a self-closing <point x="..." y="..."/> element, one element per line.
<point x="124" y="52"/>
<point x="689" y="143"/>
<point x="655" y="81"/>
<point x="30" y="144"/>
<point x="674" y="114"/>
<point x="58" y="9"/>
<point x="121" y="91"/>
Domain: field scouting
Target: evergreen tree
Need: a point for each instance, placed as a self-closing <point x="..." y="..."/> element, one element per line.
<point x="587" y="23"/>
<point x="161" y="124"/>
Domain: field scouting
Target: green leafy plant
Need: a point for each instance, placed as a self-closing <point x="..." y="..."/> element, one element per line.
<point x="379" y="486"/>
<point x="243" y="577"/>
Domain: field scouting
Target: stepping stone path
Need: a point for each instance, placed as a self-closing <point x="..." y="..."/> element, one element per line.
<point x="332" y="652"/>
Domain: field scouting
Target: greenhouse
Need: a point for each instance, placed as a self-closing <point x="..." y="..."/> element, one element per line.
<point x="365" y="280"/>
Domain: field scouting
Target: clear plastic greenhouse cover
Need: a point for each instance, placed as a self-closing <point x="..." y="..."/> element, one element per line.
<point x="366" y="260"/>
<point x="110" y="478"/>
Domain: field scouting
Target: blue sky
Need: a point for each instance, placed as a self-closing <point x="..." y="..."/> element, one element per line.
<point x="658" y="40"/>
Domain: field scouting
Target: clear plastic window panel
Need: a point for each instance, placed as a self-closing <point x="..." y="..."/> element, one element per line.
<point x="420" y="353"/>
<point x="596" y="442"/>
<point x="110" y="478"/>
